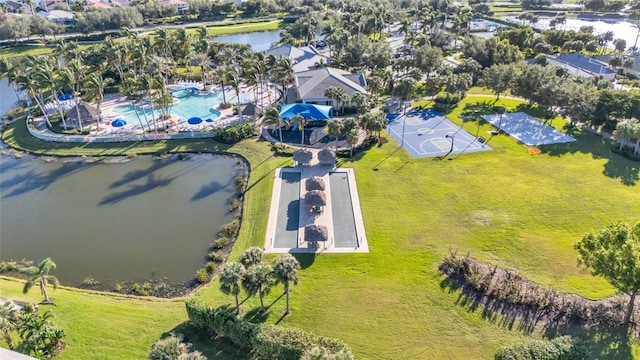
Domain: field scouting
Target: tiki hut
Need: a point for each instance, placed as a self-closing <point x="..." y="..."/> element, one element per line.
<point x="327" y="157"/>
<point x="316" y="200"/>
<point x="315" y="233"/>
<point x="303" y="157"/>
<point x="315" y="183"/>
<point x="251" y="109"/>
<point x="88" y="115"/>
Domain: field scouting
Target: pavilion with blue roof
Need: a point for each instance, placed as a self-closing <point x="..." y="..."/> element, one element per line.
<point x="308" y="111"/>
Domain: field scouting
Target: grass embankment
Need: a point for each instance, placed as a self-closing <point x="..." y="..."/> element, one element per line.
<point x="505" y="206"/>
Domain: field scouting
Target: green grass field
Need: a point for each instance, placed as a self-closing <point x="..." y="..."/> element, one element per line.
<point x="506" y="207"/>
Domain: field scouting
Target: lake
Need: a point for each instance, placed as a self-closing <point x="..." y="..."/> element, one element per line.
<point x="133" y="221"/>
<point x="259" y="41"/>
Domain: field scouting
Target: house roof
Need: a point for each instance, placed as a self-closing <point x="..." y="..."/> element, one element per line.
<point x="303" y="58"/>
<point x="636" y="64"/>
<point x="307" y="111"/>
<point x="57" y="14"/>
<point x="313" y="83"/>
<point x="580" y="63"/>
<point x="98" y="5"/>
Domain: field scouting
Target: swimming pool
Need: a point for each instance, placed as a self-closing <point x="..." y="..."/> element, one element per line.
<point x="187" y="104"/>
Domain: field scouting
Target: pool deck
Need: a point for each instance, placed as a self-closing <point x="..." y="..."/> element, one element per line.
<point x="176" y="124"/>
<point x="307" y="217"/>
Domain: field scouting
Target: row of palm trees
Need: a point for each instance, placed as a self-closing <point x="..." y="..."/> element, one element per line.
<point x="256" y="277"/>
<point x="141" y="69"/>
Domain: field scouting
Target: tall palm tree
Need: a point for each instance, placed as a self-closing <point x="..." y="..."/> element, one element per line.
<point x="40" y="275"/>
<point x="47" y="78"/>
<point x="230" y="278"/>
<point x="73" y="74"/>
<point x="284" y="71"/>
<point x="234" y="79"/>
<point x="285" y="268"/>
<point x="130" y="88"/>
<point x="10" y="72"/>
<point x="252" y="256"/>
<point x="95" y="86"/>
<point x="272" y="118"/>
<point x="258" y="279"/>
<point x="202" y="61"/>
<point x="26" y="82"/>
<point x="220" y="77"/>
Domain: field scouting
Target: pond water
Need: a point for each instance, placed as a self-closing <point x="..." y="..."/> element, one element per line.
<point x="259" y="41"/>
<point x="134" y="221"/>
<point x="8" y="96"/>
<point x="621" y="29"/>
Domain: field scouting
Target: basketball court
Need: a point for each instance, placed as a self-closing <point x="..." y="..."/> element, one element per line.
<point x="427" y="133"/>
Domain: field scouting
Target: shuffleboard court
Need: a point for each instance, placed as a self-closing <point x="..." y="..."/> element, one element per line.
<point x="527" y="129"/>
<point x="428" y="133"/>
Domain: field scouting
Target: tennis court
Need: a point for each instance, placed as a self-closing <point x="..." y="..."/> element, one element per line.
<point x="428" y="133"/>
<point x="527" y="129"/>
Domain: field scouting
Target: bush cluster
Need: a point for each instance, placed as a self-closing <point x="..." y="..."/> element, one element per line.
<point x="560" y="348"/>
<point x="261" y="341"/>
<point x="511" y="288"/>
<point x="234" y="133"/>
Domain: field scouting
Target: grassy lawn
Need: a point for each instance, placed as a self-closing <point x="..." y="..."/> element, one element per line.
<point x="505" y="206"/>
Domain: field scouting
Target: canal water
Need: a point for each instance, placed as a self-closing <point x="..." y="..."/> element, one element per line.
<point x="134" y="221"/>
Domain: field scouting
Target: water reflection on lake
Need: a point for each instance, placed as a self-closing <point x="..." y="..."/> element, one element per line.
<point x="115" y="222"/>
<point x="259" y="41"/>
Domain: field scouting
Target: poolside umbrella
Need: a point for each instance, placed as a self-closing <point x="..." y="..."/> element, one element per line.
<point x="315" y="199"/>
<point x="303" y="157"/>
<point x="194" y="120"/>
<point x="315" y="183"/>
<point x="327" y="157"/>
<point x="314" y="233"/>
<point x="118" y="123"/>
<point x="62" y="97"/>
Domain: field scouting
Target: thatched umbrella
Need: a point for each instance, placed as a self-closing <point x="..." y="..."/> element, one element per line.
<point x="315" y="199"/>
<point x="314" y="233"/>
<point x="88" y="115"/>
<point x="327" y="157"/>
<point x="303" y="157"/>
<point x="315" y="183"/>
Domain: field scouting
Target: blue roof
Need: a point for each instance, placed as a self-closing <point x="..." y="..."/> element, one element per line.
<point x="307" y="111"/>
<point x="584" y="63"/>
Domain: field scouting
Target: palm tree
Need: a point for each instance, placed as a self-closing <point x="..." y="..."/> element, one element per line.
<point x="334" y="129"/>
<point x="73" y="74"/>
<point x="252" y="256"/>
<point x="258" y="279"/>
<point x="375" y="86"/>
<point x="220" y="77"/>
<point x="8" y="321"/>
<point x="230" y="277"/>
<point x="27" y="82"/>
<point x="285" y="268"/>
<point x="95" y="91"/>
<point x="234" y="79"/>
<point x="130" y="88"/>
<point x="361" y="102"/>
<point x="47" y="78"/>
<point x="40" y="275"/>
<point x="337" y="94"/>
<point x="202" y="61"/>
<point x="284" y="72"/>
<point x="272" y="118"/>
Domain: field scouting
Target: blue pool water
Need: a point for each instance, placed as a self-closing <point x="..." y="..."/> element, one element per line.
<point x="188" y="104"/>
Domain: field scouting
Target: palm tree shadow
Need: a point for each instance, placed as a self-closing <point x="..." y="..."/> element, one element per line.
<point x="305" y="260"/>
<point x="209" y="189"/>
<point x="25" y="182"/>
<point x="255" y="316"/>
<point x="139" y="174"/>
<point x="152" y="183"/>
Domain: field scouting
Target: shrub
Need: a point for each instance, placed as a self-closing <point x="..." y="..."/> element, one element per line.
<point x="235" y="204"/>
<point x="8" y="266"/>
<point x="221" y="242"/>
<point x="452" y="99"/>
<point x="560" y="348"/>
<point x="211" y="267"/>
<point x="230" y="229"/>
<point x="240" y="182"/>
<point x="173" y="347"/>
<point x="234" y="133"/>
<point x="626" y="152"/>
<point x="216" y="256"/>
<point x="264" y="341"/>
<point x="202" y="276"/>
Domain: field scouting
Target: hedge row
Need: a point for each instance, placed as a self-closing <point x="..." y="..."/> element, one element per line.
<point x="626" y="152"/>
<point x="234" y="133"/>
<point x="261" y="341"/>
<point x="560" y="348"/>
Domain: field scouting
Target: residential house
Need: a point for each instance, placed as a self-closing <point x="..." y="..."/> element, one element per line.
<point x="304" y="58"/>
<point x="58" y="16"/>
<point x="311" y="85"/>
<point x="181" y="6"/>
<point x="15" y="7"/>
<point x="635" y="70"/>
<point x="581" y="65"/>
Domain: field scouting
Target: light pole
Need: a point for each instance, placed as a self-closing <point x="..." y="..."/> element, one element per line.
<point x="452" y="137"/>
<point x="475" y="115"/>
<point x="404" y="121"/>
<point x="501" y="112"/>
